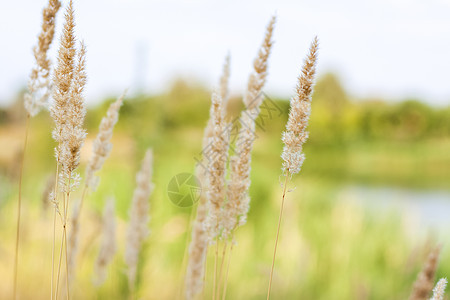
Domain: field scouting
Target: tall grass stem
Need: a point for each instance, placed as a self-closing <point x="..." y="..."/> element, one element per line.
<point x="278" y="234"/>
<point x="19" y="204"/>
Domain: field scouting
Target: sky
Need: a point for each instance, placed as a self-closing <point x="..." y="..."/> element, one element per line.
<point x="392" y="49"/>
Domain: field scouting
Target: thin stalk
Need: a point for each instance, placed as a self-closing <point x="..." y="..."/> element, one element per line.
<point x="215" y="267"/>
<point x="226" y="274"/>
<point x="19" y="204"/>
<point x="63" y="239"/>
<point x="224" y="251"/>
<point x="59" y="266"/>
<point x="66" y="209"/>
<point x="278" y="234"/>
<point x="53" y="252"/>
<point x="55" y="194"/>
<point x="186" y="252"/>
<point x="204" y="275"/>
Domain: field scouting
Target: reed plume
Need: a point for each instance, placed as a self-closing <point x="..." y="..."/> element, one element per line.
<point x="102" y="144"/>
<point x="108" y="246"/>
<point x="240" y="163"/>
<point x="68" y="112"/>
<point x="257" y="79"/>
<point x="439" y="289"/>
<point x="425" y="280"/>
<point x="39" y="83"/>
<point x="101" y="149"/>
<point x="296" y="134"/>
<point x="73" y="132"/>
<point x="199" y="241"/>
<point x="139" y="217"/>
<point x="39" y="87"/>
<point x="217" y="156"/>
<point x="224" y="94"/>
<point x="63" y="79"/>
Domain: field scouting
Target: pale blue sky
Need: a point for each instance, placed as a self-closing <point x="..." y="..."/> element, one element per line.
<point x="394" y="49"/>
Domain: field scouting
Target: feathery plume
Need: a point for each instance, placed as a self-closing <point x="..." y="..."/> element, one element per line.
<point x="218" y="154"/>
<point x="224" y="94"/>
<point x="63" y="78"/>
<point x="72" y="135"/>
<point x="439" y="289"/>
<point x="102" y="144"/>
<point x="68" y="110"/>
<point x="199" y="241"/>
<point x="139" y="217"/>
<point x="257" y="79"/>
<point x="102" y="148"/>
<point x="240" y="163"/>
<point x="425" y="280"/>
<point x="73" y="132"/>
<point x="39" y="83"/>
<point x="296" y="135"/>
<point x="109" y="245"/>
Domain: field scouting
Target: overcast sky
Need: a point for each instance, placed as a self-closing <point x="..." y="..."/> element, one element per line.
<point x="388" y="48"/>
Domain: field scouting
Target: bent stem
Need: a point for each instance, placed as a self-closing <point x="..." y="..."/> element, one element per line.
<point x="278" y="234"/>
<point x="19" y="204"/>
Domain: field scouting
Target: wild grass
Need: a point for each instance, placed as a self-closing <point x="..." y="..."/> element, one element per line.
<point x="296" y="135"/>
<point x="139" y="218"/>
<point x="145" y="266"/>
<point x="39" y="87"/>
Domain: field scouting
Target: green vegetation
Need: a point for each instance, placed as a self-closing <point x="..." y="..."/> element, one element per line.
<point x="330" y="247"/>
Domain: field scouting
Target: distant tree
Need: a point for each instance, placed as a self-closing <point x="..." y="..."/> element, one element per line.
<point x="329" y="108"/>
<point x="329" y="92"/>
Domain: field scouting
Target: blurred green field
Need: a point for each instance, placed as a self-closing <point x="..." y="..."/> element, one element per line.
<point x="331" y="246"/>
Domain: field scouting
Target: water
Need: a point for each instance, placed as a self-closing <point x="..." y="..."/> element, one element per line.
<point x="430" y="210"/>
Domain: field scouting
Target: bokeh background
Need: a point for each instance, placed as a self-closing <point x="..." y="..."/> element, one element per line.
<point x="373" y="196"/>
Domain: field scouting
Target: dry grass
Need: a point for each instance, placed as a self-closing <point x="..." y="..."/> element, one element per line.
<point x="108" y="246"/>
<point x="68" y="113"/>
<point x="224" y="205"/>
<point x="296" y="135"/>
<point x="425" y="280"/>
<point x="101" y="149"/>
<point x="139" y="218"/>
<point x="39" y="84"/>
<point x="439" y="289"/>
<point x="238" y="202"/>
<point x="39" y="88"/>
